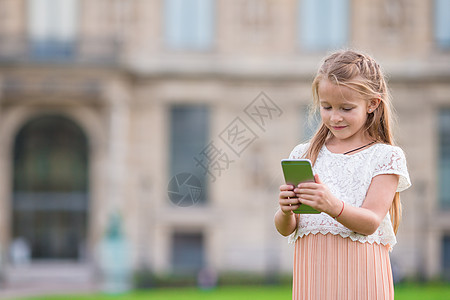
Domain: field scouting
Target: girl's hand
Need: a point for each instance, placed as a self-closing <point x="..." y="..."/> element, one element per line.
<point x="318" y="196"/>
<point x="288" y="200"/>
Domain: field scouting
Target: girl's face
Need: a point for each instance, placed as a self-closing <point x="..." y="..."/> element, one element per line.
<point x="344" y="111"/>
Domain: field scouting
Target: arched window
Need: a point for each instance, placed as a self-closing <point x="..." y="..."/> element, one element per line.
<point x="50" y="187"/>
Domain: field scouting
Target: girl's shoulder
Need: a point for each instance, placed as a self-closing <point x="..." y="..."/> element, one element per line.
<point x="391" y="159"/>
<point x="386" y="150"/>
<point x="382" y="155"/>
<point x="299" y="151"/>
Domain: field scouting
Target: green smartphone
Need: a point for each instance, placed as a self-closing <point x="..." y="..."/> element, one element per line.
<point x="296" y="171"/>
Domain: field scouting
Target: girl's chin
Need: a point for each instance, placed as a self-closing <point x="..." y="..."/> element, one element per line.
<point x="340" y="132"/>
<point x="342" y="135"/>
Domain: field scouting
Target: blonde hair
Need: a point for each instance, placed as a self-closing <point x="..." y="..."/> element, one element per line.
<point x="361" y="73"/>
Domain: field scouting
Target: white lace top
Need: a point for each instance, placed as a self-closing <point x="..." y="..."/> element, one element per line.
<point x="348" y="177"/>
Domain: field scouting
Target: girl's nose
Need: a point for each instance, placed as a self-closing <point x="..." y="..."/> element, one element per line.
<point x="335" y="117"/>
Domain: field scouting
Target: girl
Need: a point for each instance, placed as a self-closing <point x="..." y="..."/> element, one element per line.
<point x="343" y="252"/>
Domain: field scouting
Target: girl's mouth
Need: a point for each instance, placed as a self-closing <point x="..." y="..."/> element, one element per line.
<point x="338" y="127"/>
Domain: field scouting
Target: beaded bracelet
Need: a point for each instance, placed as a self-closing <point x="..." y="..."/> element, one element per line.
<point x="343" y="204"/>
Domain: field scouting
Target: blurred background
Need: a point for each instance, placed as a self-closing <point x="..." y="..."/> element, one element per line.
<point x="140" y="140"/>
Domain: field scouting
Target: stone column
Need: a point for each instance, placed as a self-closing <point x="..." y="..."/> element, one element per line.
<point x="118" y="123"/>
<point x="115" y="254"/>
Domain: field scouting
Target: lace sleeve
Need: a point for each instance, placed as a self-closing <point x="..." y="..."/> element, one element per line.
<point x="393" y="161"/>
<point x="298" y="151"/>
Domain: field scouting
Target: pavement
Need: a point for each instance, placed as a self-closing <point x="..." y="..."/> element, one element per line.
<point x="47" y="278"/>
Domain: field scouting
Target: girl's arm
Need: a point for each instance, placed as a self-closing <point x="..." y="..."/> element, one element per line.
<point x="365" y="219"/>
<point x="285" y="219"/>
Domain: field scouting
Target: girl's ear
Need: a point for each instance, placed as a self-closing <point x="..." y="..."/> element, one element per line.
<point x="373" y="104"/>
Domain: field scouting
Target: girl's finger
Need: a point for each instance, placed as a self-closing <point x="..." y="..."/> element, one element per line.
<point x="289" y="201"/>
<point x="308" y="185"/>
<point x="286" y="187"/>
<point x="290" y="208"/>
<point x="317" y="179"/>
<point x="309" y="197"/>
<point x="304" y="191"/>
<point x="286" y="194"/>
<point x="306" y="201"/>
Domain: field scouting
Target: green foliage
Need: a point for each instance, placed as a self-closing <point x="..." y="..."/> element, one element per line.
<point x="220" y="293"/>
<point x="418" y="291"/>
<point x="145" y="278"/>
<point x="404" y="291"/>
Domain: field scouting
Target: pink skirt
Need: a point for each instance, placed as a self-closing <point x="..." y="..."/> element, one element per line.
<point x="332" y="267"/>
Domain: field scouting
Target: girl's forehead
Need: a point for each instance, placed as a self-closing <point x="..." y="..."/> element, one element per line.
<point x="330" y="91"/>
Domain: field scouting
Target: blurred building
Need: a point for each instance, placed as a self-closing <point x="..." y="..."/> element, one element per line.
<point x="174" y="115"/>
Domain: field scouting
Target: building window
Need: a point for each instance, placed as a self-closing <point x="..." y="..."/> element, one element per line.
<point x="52" y="28"/>
<point x="444" y="158"/>
<point x="187" y="252"/>
<point x="257" y="20"/>
<point x="50" y="188"/>
<point x="189" y="24"/>
<point x="442" y="23"/>
<point x="446" y="257"/>
<point x="189" y="134"/>
<point x="323" y="24"/>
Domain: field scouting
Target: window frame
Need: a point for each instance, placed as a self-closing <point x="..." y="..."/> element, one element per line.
<point x="441" y="16"/>
<point x="178" y="36"/>
<point x="443" y="133"/>
<point x="188" y="163"/>
<point x="52" y="29"/>
<point x="309" y="10"/>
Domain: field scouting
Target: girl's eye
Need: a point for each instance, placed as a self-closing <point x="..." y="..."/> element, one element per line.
<point x="347" y="109"/>
<point x="326" y="107"/>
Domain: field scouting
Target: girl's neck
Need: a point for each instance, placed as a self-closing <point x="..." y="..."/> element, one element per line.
<point x="343" y="146"/>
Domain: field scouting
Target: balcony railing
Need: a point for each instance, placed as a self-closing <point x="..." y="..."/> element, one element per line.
<point x="101" y="50"/>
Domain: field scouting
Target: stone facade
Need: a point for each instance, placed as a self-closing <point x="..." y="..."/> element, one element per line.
<point x="122" y="83"/>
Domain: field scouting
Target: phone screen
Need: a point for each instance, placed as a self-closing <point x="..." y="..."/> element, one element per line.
<point x="296" y="171"/>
